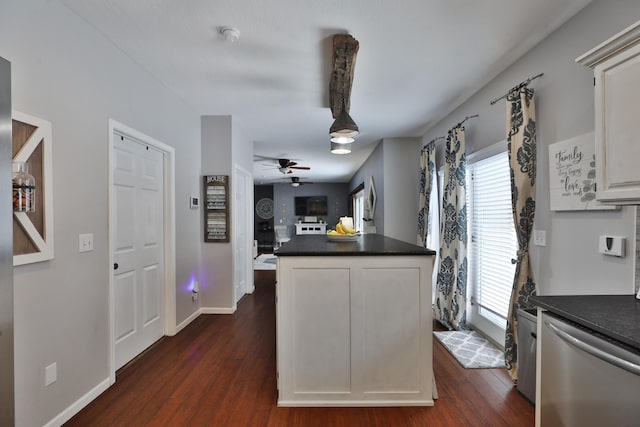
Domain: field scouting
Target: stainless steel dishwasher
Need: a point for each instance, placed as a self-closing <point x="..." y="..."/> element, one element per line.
<point x="585" y="379"/>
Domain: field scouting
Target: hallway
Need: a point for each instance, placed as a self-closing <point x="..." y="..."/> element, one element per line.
<point x="220" y="371"/>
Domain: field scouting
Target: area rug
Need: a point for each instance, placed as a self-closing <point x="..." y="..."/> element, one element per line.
<point x="264" y="262"/>
<point x="471" y="349"/>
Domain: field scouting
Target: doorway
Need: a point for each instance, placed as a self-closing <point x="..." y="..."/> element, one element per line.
<point x="141" y="242"/>
<point x="242" y="233"/>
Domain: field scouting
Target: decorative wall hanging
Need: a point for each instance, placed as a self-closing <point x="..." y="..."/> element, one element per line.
<point x="572" y="175"/>
<point x="264" y="208"/>
<point x="216" y="208"/>
<point x="32" y="190"/>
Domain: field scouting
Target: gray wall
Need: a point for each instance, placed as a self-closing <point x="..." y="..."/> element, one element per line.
<point x="373" y="167"/>
<point x="283" y="196"/>
<point x="394" y="166"/>
<point x="570" y="263"/>
<point x="216" y="278"/>
<point x="401" y="182"/>
<point x="67" y="73"/>
<point x="224" y="146"/>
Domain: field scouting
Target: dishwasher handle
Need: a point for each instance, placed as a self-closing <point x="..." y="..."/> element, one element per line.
<point x="593" y="349"/>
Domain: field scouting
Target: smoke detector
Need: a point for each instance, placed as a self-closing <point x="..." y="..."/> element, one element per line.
<point x="230" y="34"/>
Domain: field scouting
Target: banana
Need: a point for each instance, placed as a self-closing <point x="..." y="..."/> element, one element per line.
<point x="343" y="229"/>
<point x="348" y="230"/>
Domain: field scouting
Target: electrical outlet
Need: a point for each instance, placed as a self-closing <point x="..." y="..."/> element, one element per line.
<point x="85" y="242"/>
<point x="540" y="237"/>
<point x="50" y="374"/>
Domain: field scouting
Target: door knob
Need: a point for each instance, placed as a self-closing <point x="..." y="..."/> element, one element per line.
<point x="115" y="266"/>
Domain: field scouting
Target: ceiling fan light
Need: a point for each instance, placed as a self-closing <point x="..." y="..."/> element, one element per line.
<point x="340" y="148"/>
<point x="295" y="184"/>
<point x="342" y="139"/>
<point x="344" y="126"/>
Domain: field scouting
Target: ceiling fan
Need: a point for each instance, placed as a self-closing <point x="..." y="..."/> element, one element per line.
<point x="285" y="166"/>
<point x="295" y="182"/>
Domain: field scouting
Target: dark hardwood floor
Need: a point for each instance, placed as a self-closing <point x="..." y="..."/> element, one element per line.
<point x="220" y="371"/>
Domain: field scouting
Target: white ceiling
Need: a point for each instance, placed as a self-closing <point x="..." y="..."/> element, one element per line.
<point x="418" y="60"/>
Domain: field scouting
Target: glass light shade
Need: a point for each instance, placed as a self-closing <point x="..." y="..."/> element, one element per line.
<point x="340" y="148"/>
<point x="342" y="139"/>
<point x="295" y="184"/>
<point x="344" y="126"/>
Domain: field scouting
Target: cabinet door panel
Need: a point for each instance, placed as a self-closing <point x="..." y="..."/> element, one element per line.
<point x="617" y="127"/>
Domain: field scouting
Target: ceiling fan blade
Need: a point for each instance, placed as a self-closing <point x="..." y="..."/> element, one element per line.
<point x="306" y="168"/>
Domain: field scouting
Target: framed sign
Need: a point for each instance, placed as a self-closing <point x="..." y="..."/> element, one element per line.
<point x="216" y="208"/>
<point x="572" y="175"/>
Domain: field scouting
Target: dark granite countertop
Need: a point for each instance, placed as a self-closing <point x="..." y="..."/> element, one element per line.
<point x="366" y="244"/>
<point x="615" y="316"/>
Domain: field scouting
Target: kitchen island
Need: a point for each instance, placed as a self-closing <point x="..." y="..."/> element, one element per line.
<point x="354" y="322"/>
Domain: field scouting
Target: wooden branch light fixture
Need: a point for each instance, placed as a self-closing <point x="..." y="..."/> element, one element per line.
<point x="345" y="50"/>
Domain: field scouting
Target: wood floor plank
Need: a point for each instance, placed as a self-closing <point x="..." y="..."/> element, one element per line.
<point x="220" y="371"/>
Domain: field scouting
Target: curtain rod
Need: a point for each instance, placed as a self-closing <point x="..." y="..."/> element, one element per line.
<point x="433" y="140"/>
<point x="465" y="119"/>
<point x="458" y="125"/>
<point x="519" y="86"/>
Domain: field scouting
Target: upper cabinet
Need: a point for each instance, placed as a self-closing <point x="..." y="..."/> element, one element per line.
<point x="616" y="64"/>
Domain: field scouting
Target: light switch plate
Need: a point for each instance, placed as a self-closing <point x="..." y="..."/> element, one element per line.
<point x="51" y="374"/>
<point x="540" y="237"/>
<point x="85" y="242"/>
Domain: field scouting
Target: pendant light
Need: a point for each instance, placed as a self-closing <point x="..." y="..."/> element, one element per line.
<point x="340" y="148"/>
<point x="344" y="126"/>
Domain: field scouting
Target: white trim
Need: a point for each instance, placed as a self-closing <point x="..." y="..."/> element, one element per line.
<point x="611" y="46"/>
<point x="487" y="152"/>
<point x="248" y="226"/>
<point x="43" y="243"/>
<point x="79" y="404"/>
<point x="169" y="327"/>
<point x="217" y="310"/>
<point x="188" y="320"/>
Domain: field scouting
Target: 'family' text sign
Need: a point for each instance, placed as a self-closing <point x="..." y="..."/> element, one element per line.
<point x="572" y="175"/>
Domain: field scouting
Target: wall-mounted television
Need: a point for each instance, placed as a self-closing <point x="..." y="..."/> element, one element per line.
<point x="310" y="205"/>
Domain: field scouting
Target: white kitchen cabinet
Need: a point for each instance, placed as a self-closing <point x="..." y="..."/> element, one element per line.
<point x="616" y="64"/>
<point x="354" y="330"/>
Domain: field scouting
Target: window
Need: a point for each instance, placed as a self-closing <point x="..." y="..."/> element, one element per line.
<point x="492" y="243"/>
<point x="357" y="207"/>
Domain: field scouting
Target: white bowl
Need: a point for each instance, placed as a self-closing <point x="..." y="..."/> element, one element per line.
<point x="343" y="237"/>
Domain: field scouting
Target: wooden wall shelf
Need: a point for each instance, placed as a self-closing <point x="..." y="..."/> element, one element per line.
<point x="33" y="231"/>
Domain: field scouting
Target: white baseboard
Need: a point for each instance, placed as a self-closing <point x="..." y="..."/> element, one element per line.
<point x="188" y="320"/>
<point x="77" y="406"/>
<point x="218" y="310"/>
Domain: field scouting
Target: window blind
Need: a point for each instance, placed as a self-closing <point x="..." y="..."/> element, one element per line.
<point x="493" y="238"/>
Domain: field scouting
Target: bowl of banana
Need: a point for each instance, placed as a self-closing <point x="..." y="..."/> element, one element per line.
<point x="342" y="233"/>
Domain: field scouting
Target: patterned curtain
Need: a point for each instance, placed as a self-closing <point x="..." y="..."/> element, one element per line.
<point x="521" y="141"/>
<point x="451" y="284"/>
<point x="427" y="173"/>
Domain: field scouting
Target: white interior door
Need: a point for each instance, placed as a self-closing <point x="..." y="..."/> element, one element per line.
<point x="243" y="266"/>
<point x="138" y="251"/>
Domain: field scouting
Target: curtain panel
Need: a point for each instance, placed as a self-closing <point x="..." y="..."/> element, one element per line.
<point x="451" y="283"/>
<point x="521" y="141"/>
<point x="427" y="173"/>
